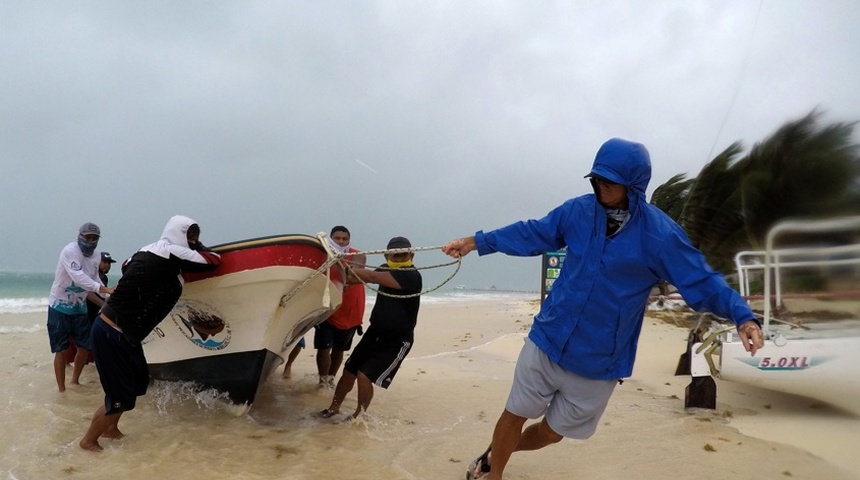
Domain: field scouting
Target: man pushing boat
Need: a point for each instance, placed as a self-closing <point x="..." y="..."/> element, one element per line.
<point x="149" y="288"/>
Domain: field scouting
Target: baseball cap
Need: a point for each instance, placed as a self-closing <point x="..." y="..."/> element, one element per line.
<point x="399" y="242"/>
<point x="107" y="258"/>
<point x="90" y="228"/>
<point x="600" y="177"/>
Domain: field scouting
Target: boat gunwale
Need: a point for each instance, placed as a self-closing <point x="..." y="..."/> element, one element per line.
<point x="270" y="240"/>
<point x="297" y="240"/>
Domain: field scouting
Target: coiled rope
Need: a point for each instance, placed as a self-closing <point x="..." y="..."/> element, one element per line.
<point x="337" y="257"/>
<point x="394" y="251"/>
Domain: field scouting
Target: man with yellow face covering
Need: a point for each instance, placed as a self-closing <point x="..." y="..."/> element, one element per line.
<point x="387" y="341"/>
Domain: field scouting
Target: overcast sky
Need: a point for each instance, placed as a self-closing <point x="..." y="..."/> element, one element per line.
<point x="424" y="119"/>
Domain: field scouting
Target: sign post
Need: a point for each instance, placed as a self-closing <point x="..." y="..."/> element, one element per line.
<point x="550" y="270"/>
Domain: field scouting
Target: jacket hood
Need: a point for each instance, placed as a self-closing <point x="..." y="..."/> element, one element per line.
<point x="175" y="232"/>
<point x="625" y="162"/>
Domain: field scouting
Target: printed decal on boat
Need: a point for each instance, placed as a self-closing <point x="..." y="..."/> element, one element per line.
<point x="202" y="325"/>
<point x="784" y="362"/>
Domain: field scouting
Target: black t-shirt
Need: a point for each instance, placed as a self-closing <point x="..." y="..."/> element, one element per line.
<point x="145" y="294"/>
<point x="395" y="318"/>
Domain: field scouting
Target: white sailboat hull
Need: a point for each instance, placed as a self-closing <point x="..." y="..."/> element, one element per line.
<point x="827" y="369"/>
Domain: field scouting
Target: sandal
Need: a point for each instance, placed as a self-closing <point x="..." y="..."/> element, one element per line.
<point x="480" y="466"/>
<point x="326" y="413"/>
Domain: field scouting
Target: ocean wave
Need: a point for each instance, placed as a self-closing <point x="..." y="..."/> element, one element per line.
<point x="23" y="305"/>
<point x="5" y="329"/>
<point x="467" y="296"/>
<point x="40" y="304"/>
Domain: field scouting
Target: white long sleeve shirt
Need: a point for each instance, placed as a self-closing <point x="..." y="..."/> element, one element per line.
<point x="75" y="276"/>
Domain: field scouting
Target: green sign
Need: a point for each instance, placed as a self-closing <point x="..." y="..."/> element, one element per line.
<point x="551" y="269"/>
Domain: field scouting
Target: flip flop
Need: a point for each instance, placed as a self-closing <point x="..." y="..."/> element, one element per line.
<point x="480" y="466"/>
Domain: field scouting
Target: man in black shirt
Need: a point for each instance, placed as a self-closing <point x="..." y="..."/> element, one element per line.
<point x="148" y="289"/>
<point x="387" y="341"/>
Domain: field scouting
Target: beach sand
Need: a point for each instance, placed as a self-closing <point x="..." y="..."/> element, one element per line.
<point x="646" y="432"/>
<point x="437" y="416"/>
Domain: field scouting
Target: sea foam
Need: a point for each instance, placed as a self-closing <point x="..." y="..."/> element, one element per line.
<point x="23" y="305"/>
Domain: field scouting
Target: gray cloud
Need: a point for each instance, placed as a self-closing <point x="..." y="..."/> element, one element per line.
<point x="255" y="118"/>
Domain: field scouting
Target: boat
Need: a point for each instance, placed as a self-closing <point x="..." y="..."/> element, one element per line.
<point x="812" y="345"/>
<point x="233" y="326"/>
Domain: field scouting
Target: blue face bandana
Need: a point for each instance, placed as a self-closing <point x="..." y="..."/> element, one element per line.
<point x="86" y="246"/>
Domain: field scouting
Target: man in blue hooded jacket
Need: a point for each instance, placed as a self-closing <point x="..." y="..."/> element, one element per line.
<point x="584" y="338"/>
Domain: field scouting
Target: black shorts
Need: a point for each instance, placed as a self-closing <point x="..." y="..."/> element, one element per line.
<point x="327" y="335"/>
<point x="122" y="367"/>
<point x="377" y="358"/>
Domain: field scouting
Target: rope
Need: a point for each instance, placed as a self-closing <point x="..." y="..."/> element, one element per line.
<point x="458" y="261"/>
<point x="394" y="251"/>
<point x="326" y="293"/>
<point x="325" y="267"/>
<point x="337" y="257"/>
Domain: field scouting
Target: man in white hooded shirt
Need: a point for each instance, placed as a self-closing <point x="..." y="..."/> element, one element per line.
<point x="149" y="288"/>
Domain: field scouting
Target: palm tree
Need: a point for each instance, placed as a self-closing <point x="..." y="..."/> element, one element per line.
<point x="671" y="197"/>
<point x="802" y="170"/>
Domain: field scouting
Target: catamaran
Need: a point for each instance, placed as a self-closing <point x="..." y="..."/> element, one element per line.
<point x="812" y="337"/>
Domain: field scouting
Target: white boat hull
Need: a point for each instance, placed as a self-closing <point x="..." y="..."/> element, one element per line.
<point x="230" y="330"/>
<point x="827" y="369"/>
<point x="815" y="352"/>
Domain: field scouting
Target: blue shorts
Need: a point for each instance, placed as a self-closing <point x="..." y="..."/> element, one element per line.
<point x="62" y="326"/>
<point x="122" y="367"/>
<point x="571" y="405"/>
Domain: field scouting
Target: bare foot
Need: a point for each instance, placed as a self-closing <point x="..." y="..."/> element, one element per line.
<point x="74" y="382"/>
<point x="91" y="446"/>
<point x="62" y="389"/>
<point x="113" y="434"/>
<point x="287" y="373"/>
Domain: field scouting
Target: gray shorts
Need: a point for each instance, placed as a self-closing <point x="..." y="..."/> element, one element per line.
<point x="571" y="404"/>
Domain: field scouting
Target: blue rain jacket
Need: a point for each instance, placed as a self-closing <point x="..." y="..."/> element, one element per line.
<point x="590" y="322"/>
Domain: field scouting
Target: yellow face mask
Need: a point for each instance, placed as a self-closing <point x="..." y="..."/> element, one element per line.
<point x="392" y="264"/>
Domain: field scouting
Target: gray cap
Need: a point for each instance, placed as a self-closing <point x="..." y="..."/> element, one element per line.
<point x="90" y="228"/>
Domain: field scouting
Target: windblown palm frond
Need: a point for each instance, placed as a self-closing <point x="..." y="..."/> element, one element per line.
<point x="711" y="215"/>
<point x="802" y="170"/>
<point x="672" y="195"/>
